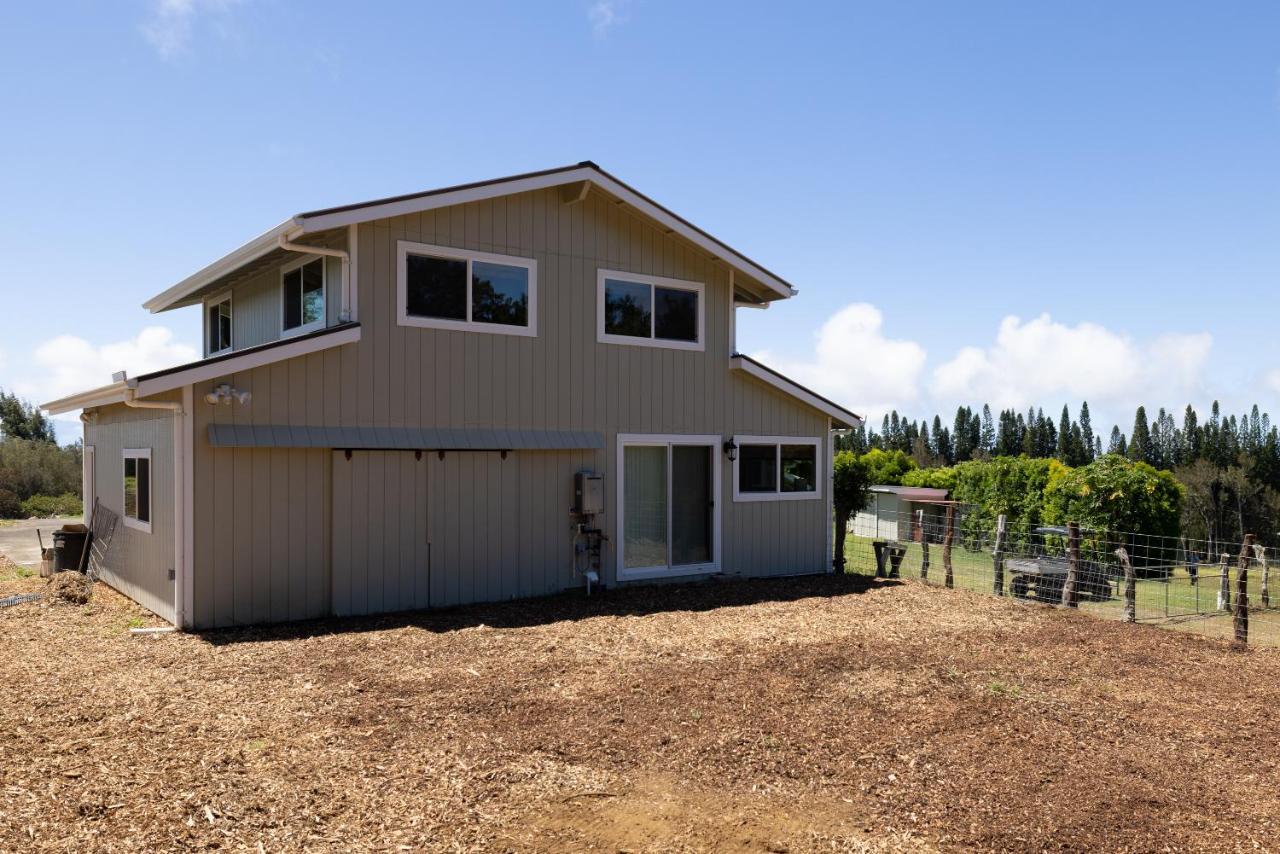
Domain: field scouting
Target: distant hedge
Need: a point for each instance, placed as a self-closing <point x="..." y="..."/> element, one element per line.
<point x="49" y="506"/>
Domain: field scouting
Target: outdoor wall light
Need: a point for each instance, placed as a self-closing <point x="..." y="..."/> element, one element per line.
<point x="224" y="394"/>
<point x="731" y="450"/>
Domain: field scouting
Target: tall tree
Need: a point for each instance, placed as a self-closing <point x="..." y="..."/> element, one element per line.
<point x="22" y="420"/>
<point x="1086" y="431"/>
<point x="1140" y="438"/>
<point x="987" y="441"/>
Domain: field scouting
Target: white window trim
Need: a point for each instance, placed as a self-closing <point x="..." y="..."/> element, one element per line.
<point x="324" y="289"/>
<point x="603" y="337"/>
<point x="227" y="297"/>
<point x="138" y="454"/>
<point x="778" y="494"/>
<point x="406" y="247"/>
<point x="665" y="440"/>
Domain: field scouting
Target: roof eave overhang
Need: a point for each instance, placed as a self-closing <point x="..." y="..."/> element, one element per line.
<point x="179" y="295"/>
<point x="101" y="396"/>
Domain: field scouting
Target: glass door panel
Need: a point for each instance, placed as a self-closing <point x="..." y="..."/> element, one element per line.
<point x="691" y="504"/>
<point x="644" y="506"/>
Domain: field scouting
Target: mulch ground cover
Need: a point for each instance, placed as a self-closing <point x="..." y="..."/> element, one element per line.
<point x="822" y="714"/>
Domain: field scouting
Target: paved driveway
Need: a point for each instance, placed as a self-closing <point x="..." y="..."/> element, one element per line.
<point x="18" y="539"/>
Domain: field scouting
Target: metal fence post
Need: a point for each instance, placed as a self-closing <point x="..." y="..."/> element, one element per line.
<point x="997" y="557"/>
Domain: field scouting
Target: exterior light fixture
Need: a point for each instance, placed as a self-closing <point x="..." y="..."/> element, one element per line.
<point x="224" y="394"/>
<point x="731" y="449"/>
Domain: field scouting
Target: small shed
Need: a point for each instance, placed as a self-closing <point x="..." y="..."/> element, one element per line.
<point x="892" y="513"/>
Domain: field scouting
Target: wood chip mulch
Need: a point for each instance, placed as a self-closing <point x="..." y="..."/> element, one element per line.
<point x="824" y="714"/>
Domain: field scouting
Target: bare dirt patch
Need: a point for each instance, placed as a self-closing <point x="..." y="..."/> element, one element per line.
<point x="829" y="714"/>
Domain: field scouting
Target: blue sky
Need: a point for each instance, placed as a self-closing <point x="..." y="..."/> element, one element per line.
<point x="1021" y="203"/>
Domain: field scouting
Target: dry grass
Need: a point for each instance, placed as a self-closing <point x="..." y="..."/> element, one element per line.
<point x="823" y="714"/>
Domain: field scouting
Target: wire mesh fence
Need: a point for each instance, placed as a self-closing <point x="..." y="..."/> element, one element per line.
<point x="1215" y="589"/>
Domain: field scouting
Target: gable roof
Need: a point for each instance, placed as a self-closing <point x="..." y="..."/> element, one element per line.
<point x="324" y="219"/>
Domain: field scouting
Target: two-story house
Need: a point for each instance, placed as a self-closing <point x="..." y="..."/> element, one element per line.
<point x="483" y="392"/>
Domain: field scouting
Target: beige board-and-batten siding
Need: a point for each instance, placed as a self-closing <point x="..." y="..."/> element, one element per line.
<point x="137" y="563"/>
<point x="562" y="379"/>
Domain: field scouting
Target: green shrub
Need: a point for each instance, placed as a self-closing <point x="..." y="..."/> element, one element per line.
<point x="1013" y="486"/>
<point x="49" y="506"/>
<point x="938" y="478"/>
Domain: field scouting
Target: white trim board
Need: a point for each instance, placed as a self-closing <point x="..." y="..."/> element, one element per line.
<point x="666" y="440"/>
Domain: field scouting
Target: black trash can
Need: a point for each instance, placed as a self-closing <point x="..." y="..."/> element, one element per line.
<point x="68" y="547"/>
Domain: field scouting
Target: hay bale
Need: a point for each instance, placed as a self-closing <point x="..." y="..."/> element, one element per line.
<point x="73" y="588"/>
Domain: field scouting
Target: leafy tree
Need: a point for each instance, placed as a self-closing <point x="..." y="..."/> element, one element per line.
<point x="1114" y="497"/>
<point x="887" y="467"/>
<point x="850" y="487"/>
<point x="22" y="420"/>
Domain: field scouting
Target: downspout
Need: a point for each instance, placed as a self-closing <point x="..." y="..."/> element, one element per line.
<point x="344" y="312"/>
<point x="179" y="494"/>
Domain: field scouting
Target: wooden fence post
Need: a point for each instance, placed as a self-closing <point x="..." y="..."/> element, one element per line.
<point x="924" y="548"/>
<point x="1242" y="590"/>
<point x="1260" y="552"/>
<point x="997" y="557"/>
<point x="1130" y="587"/>
<point x="946" y="545"/>
<point x="1224" y="584"/>
<point x="1073" y="565"/>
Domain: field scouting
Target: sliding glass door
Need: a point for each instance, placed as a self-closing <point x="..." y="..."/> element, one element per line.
<point x="669" y="514"/>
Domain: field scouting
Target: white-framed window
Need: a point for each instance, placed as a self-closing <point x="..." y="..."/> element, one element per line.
<point x="439" y="287"/>
<point x="137" y="489"/>
<point x="217" y="314"/>
<point x="649" y="311"/>
<point x="302" y="296"/>
<point x="777" y="468"/>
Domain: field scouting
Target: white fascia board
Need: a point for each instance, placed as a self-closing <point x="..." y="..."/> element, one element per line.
<point x="101" y="396"/>
<point x="229" y="263"/>
<point x="400" y="207"/>
<point x="325" y="221"/>
<point x="795" y="390"/>
<point x="202" y="372"/>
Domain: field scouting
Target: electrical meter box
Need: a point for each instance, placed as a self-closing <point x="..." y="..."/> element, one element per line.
<point x="588" y="493"/>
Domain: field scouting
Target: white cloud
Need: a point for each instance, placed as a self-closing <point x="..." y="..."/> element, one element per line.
<point x="604" y="15"/>
<point x="171" y="24"/>
<point x="68" y="364"/>
<point x="1271" y="379"/>
<point x="856" y="365"/>
<point x="1040" y="361"/>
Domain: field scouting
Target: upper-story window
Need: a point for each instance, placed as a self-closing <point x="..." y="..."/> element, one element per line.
<point x="218" y="325"/>
<point x="649" y="310"/>
<point x="302" y="296"/>
<point x="444" y="288"/>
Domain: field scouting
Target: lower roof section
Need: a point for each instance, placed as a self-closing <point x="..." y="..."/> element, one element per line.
<point x="400" y="438"/>
<point x="840" y="417"/>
